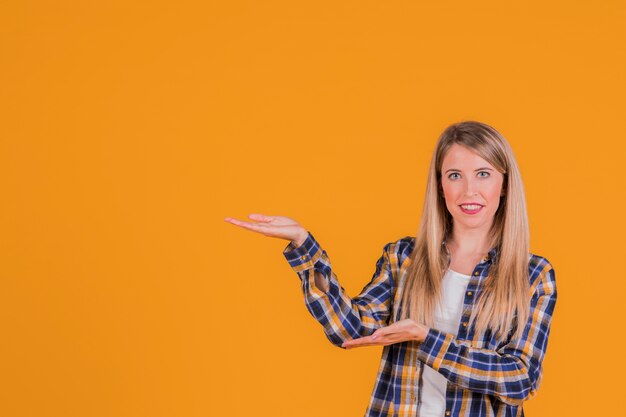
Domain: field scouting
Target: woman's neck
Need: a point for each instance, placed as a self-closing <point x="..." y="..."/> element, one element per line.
<point x="471" y="241"/>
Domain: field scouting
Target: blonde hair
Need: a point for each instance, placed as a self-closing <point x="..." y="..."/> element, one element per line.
<point x="505" y="301"/>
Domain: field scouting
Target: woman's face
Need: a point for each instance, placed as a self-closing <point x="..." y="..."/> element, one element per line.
<point x="472" y="188"/>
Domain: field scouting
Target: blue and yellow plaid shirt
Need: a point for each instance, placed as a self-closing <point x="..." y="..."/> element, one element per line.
<point x="486" y="377"/>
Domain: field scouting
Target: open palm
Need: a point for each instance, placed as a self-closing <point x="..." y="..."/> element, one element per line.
<point x="273" y="226"/>
<point x="400" y="331"/>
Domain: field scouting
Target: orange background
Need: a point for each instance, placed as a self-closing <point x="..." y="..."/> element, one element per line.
<point x="129" y="130"/>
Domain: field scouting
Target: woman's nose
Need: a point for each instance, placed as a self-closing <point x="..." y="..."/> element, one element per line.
<point x="470" y="188"/>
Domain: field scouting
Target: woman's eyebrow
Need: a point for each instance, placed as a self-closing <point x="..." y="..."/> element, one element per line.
<point x="477" y="169"/>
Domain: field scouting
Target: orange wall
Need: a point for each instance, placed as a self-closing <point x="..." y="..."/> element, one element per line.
<point x="129" y="130"/>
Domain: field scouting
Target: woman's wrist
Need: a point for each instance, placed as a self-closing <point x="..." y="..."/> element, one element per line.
<point x="421" y="332"/>
<point x="300" y="240"/>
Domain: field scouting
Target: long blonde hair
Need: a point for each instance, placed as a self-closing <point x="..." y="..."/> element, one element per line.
<point x="505" y="301"/>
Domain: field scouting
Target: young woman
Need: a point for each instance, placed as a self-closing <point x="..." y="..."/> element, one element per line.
<point x="463" y="310"/>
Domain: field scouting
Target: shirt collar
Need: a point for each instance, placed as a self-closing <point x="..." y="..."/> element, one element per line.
<point x="492" y="255"/>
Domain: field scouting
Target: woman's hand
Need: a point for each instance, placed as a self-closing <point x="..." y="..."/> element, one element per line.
<point x="400" y="331"/>
<point x="273" y="226"/>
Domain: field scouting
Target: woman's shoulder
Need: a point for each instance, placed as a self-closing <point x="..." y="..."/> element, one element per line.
<point x="537" y="263"/>
<point x="401" y="247"/>
<point x="540" y="271"/>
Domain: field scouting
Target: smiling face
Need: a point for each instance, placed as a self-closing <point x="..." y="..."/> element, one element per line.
<point x="472" y="188"/>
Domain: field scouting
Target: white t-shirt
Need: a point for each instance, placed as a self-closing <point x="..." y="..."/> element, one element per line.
<point x="447" y="319"/>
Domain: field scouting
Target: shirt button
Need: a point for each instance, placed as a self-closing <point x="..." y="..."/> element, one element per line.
<point x="447" y="413"/>
<point x="469" y="293"/>
<point x="476" y="273"/>
<point x="303" y="257"/>
<point x="464" y="324"/>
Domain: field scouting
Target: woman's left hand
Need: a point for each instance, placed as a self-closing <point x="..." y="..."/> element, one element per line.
<point x="400" y="331"/>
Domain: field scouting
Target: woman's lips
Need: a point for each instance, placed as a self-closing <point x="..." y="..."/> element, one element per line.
<point x="466" y="211"/>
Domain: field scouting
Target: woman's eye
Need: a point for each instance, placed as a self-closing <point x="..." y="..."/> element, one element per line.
<point x="454" y="173"/>
<point x="484" y="172"/>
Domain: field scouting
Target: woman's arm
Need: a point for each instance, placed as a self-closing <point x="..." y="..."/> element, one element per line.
<point x="511" y="373"/>
<point x="343" y="318"/>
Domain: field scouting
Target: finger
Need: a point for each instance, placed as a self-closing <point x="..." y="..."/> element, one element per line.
<point x="257" y="217"/>
<point x="260" y="217"/>
<point x="379" y="342"/>
<point x="257" y="227"/>
<point x="364" y="344"/>
<point x="359" y="341"/>
<point x="351" y="343"/>
<point x="384" y="339"/>
<point x="382" y="332"/>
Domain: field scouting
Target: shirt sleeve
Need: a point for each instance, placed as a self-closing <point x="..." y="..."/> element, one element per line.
<point x="513" y="372"/>
<point x="342" y="317"/>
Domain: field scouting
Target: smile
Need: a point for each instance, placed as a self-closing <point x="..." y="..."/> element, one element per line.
<point x="471" y="208"/>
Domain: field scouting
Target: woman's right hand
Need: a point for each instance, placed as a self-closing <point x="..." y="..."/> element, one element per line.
<point x="273" y="226"/>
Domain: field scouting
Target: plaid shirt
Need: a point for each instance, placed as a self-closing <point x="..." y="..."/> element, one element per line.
<point x="485" y="377"/>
